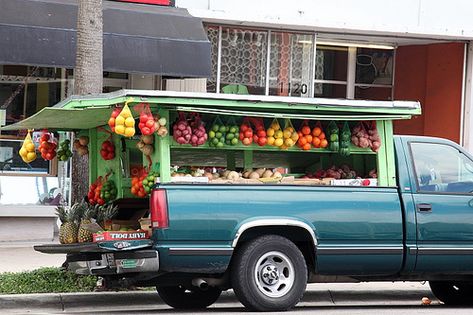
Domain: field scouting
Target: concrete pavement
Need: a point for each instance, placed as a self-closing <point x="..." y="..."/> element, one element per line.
<point x="317" y="295"/>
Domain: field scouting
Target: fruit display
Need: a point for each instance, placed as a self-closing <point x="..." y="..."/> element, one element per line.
<point x="334" y="143"/>
<point x="108" y="191"/>
<point x="182" y="131"/>
<point x="141" y="185"/>
<point x="290" y="135"/>
<point x="107" y="150"/>
<point x="318" y="137"/>
<point x="365" y="135"/>
<point x="148" y="125"/>
<point x="345" y="139"/>
<point x="259" y="137"/>
<point x="199" y="135"/>
<point x="145" y="145"/>
<point x="231" y="136"/>
<point x="84" y="234"/>
<point x="81" y="145"/>
<point x="217" y="134"/>
<point x="64" y="152"/>
<point x="246" y="132"/>
<point x="47" y="146"/>
<point x="342" y="172"/>
<point x="162" y="129"/>
<point x="113" y="116"/>
<point x="125" y="123"/>
<point x="261" y="173"/>
<point x="305" y="136"/>
<point x="275" y="134"/>
<point x="28" y="149"/>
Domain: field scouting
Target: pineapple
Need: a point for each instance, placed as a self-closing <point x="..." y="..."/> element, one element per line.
<point x="106" y="215"/>
<point x="84" y="234"/>
<point x="69" y="229"/>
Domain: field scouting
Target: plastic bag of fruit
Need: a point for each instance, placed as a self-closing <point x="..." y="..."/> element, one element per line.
<point x="318" y="136"/>
<point x="124" y="122"/>
<point x="107" y="149"/>
<point x="199" y="135"/>
<point x="28" y="149"/>
<point x="345" y="139"/>
<point x="259" y="135"/>
<point x="334" y="141"/>
<point x="47" y="146"/>
<point x="360" y="136"/>
<point x="147" y="124"/>
<point x="64" y="152"/>
<point x="375" y="139"/>
<point x="290" y="135"/>
<point x="108" y="191"/>
<point x="275" y="134"/>
<point x="231" y="135"/>
<point x="93" y="196"/>
<point x="182" y="131"/>
<point x="217" y="133"/>
<point x="246" y="132"/>
<point x="113" y="116"/>
<point x="305" y="136"/>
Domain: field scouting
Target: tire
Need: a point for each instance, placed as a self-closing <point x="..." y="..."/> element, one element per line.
<point x="181" y="298"/>
<point x="269" y="273"/>
<point x="453" y="293"/>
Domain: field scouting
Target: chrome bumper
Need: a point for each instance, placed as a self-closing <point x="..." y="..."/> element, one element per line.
<point x="111" y="263"/>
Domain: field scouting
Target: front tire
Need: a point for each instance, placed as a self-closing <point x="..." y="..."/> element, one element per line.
<point x="269" y="273"/>
<point x="453" y="293"/>
<point x="181" y="298"/>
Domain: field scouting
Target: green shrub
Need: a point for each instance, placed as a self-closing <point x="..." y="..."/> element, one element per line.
<point x="45" y="280"/>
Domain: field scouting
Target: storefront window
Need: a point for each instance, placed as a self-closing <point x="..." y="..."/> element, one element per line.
<point x="331" y="64"/>
<point x="374" y="74"/>
<point x="243" y="61"/>
<point x="290" y="64"/>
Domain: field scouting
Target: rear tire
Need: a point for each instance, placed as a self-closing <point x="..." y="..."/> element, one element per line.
<point x="269" y="273"/>
<point x="181" y="298"/>
<point x="453" y="293"/>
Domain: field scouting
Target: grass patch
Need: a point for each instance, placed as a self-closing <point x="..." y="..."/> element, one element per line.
<point x="45" y="280"/>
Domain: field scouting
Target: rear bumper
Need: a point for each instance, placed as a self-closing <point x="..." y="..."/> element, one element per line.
<point x="112" y="263"/>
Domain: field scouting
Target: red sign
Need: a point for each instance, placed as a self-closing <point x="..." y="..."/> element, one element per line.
<point x="157" y="2"/>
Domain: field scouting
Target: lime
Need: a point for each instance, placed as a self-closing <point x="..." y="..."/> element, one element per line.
<point x="230" y="136"/>
<point x="220" y="144"/>
<point x="218" y="135"/>
<point x="234" y="141"/>
<point x="211" y="134"/>
<point x="215" y="127"/>
<point x="145" y="182"/>
<point x="223" y="129"/>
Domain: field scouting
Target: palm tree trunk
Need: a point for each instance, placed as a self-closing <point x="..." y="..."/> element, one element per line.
<point x="88" y="77"/>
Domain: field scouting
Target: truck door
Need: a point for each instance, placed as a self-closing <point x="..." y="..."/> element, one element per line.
<point x="442" y="175"/>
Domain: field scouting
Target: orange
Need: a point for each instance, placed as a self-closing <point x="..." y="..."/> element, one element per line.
<point x="302" y="141"/>
<point x="316" y="142"/>
<point x="306" y="146"/>
<point x="299" y="133"/>
<point x="308" y="138"/>
<point x="306" y="130"/>
<point x="316" y="131"/>
<point x="323" y="143"/>
<point x="322" y="135"/>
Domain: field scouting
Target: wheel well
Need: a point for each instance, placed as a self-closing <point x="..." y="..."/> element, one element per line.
<point x="299" y="236"/>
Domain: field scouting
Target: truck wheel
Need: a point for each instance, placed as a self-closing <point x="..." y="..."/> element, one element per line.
<point x="182" y="298"/>
<point x="453" y="293"/>
<point x="269" y="273"/>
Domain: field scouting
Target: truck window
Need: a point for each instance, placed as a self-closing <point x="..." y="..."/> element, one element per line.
<point x="441" y="168"/>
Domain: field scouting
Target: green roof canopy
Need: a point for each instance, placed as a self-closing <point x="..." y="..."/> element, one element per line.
<point x="85" y="112"/>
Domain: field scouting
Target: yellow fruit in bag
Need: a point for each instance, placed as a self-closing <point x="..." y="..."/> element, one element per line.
<point x="129" y="122"/>
<point x="120" y="120"/>
<point x="120" y="129"/>
<point x="124" y="122"/>
<point x="28" y="149"/>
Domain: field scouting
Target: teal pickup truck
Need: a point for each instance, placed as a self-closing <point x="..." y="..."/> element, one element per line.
<point x="267" y="241"/>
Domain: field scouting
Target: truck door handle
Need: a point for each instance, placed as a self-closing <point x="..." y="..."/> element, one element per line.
<point x="424" y="207"/>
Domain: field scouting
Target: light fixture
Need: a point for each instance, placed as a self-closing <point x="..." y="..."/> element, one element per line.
<point x="355" y="44"/>
<point x="304" y="41"/>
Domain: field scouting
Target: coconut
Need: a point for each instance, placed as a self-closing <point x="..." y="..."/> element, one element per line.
<point x="140" y="145"/>
<point x="233" y="175"/>
<point x="84" y="140"/>
<point x="147" y="139"/>
<point x="147" y="149"/>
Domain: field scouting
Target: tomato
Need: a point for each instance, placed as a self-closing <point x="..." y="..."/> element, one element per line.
<point x="261" y="133"/>
<point x="45" y="137"/>
<point x="244" y="127"/>
<point x="305" y="130"/>
<point x="150" y="123"/>
<point x="248" y="133"/>
<point x="146" y="131"/>
<point x="247" y="141"/>
<point x="143" y="118"/>
<point x="262" y="141"/>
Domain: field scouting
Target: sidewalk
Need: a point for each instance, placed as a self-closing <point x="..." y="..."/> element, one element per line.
<point x="367" y="294"/>
<point x="20" y="256"/>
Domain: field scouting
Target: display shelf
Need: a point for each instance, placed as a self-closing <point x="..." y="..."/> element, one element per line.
<point x="255" y="147"/>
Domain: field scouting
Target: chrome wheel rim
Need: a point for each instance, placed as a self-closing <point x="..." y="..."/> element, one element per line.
<point x="274" y="274"/>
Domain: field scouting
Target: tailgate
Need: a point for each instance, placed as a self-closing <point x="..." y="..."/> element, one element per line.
<point x="98" y="247"/>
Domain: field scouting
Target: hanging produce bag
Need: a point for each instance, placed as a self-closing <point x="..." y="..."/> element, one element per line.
<point x="113" y="116"/>
<point x="108" y="191"/>
<point x="107" y="150"/>
<point x="290" y="135"/>
<point x="217" y="133"/>
<point x="93" y="195"/>
<point x="182" y="131"/>
<point x="81" y="145"/>
<point x="162" y="129"/>
<point x="259" y="135"/>
<point x="28" y="149"/>
<point x="345" y="138"/>
<point x="231" y="136"/>
<point x="334" y="141"/>
<point x="124" y="122"/>
<point x="199" y="135"/>
<point x="305" y="137"/>
<point x="47" y="146"/>
<point x="246" y="132"/>
<point x="64" y="152"/>
<point x="275" y="134"/>
<point x="375" y="140"/>
<point x="360" y="136"/>
<point x="318" y="136"/>
<point x="147" y="124"/>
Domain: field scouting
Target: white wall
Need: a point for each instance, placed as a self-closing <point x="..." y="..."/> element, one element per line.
<point x="437" y="19"/>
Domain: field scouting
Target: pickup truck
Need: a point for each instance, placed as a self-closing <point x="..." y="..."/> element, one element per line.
<point x="266" y="242"/>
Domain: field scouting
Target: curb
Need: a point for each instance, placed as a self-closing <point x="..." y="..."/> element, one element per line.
<point x="149" y="300"/>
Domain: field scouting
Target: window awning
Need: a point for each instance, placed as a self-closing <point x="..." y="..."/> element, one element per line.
<point x="137" y="38"/>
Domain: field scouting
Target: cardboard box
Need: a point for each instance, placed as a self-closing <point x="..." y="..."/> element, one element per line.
<point x="120" y="235"/>
<point x="355" y="182"/>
